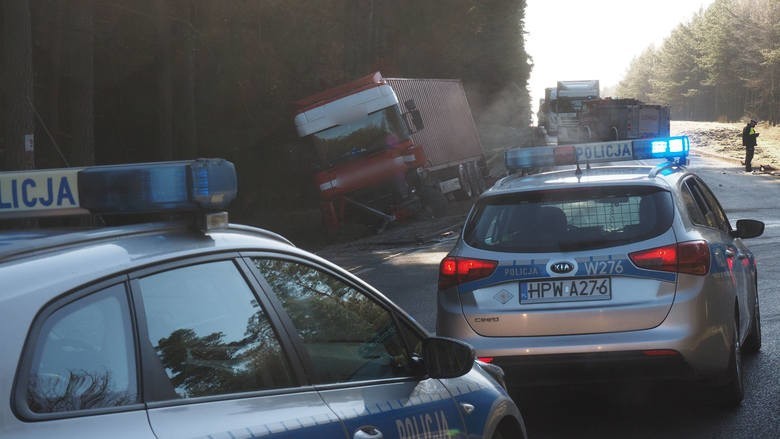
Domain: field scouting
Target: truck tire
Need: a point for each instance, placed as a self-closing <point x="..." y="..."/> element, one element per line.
<point x="433" y="201"/>
<point x="476" y="181"/>
<point x="587" y="133"/>
<point x="465" y="192"/>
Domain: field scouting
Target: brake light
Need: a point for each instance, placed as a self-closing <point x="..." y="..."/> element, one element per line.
<point x="692" y="257"/>
<point x="455" y="270"/>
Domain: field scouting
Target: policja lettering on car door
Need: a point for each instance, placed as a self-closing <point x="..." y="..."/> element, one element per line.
<point x="408" y="409"/>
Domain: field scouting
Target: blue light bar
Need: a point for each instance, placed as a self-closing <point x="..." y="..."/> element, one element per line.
<point x="194" y="185"/>
<point x="597" y="152"/>
<point x="663" y="148"/>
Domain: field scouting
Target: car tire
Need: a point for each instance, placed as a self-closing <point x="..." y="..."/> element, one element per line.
<point x="753" y="340"/>
<point x="732" y="392"/>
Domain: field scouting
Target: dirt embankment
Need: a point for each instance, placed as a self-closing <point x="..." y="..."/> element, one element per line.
<point x="725" y="139"/>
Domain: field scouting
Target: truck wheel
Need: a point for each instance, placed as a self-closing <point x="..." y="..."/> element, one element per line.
<point x="433" y="201"/>
<point x="465" y="192"/>
<point x="476" y="181"/>
<point x="585" y="133"/>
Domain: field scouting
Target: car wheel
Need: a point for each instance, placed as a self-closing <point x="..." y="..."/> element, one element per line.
<point x="732" y="392"/>
<point x="753" y="341"/>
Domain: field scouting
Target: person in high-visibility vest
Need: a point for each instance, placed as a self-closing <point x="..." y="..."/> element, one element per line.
<point x="749" y="135"/>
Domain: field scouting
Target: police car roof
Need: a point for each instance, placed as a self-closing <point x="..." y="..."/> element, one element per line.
<point x="594" y="177"/>
<point x="19" y="244"/>
<point x="31" y="260"/>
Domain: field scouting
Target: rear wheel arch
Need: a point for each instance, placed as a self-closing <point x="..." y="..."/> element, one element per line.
<point x="731" y="392"/>
<point x="752" y="342"/>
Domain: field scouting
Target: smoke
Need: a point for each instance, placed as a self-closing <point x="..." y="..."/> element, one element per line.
<point x="503" y="118"/>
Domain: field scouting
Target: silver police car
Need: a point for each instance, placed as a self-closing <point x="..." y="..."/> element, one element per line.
<point x="604" y="273"/>
<point x="193" y="327"/>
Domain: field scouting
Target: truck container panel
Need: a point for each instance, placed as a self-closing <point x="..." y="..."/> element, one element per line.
<point x="450" y="135"/>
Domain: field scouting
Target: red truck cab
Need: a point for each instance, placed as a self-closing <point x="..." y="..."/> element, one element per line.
<point x="362" y="142"/>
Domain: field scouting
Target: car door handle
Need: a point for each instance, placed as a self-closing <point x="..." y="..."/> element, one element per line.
<point x="368" y="432"/>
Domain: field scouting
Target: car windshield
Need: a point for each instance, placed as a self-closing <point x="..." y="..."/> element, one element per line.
<point x="566" y="220"/>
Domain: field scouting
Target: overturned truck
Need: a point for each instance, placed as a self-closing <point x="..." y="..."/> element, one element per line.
<point x="379" y="161"/>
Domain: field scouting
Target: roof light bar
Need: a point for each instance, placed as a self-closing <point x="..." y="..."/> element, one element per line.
<point x="672" y="148"/>
<point x="194" y="185"/>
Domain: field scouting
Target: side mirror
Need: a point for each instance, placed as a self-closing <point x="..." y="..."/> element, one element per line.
<point x="447" y="357"/>
<point x="417" y="120"/>
<point x="414" y="114"/>
<point x="747" y="228"/>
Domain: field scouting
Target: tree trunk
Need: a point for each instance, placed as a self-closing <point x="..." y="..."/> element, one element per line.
<point x="80" y="48"/>
<point x="55" y="78"/>
<point x="164" y="78"/>
<point x="17" y="86"/>
<point x="184" y="130"/>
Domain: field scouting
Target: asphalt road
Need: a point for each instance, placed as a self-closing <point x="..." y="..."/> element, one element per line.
<point x="404" y="265"/>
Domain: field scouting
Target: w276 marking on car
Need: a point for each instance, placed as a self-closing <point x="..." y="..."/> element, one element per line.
<point x="604" y="267"/>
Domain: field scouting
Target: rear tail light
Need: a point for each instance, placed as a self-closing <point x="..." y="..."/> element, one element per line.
<point x="455" y="270"/>
<point x="691" y="257"/>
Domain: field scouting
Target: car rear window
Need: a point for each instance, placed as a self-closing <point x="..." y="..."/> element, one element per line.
<point x="568" y="220"/>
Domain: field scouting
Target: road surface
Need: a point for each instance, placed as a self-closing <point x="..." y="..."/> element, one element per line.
<point x="404" y="266"/>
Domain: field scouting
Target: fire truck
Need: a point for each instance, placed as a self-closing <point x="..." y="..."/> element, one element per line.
<point x="379" y="160"/>
<point x="570" y="96"/>
<point x="574" y="113"/>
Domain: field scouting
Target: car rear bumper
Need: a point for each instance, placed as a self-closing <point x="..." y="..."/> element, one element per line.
<point x="541" y="370"/>
<point x="696" y="328"/>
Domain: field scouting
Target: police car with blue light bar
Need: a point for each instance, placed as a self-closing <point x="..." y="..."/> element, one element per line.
<point x="597" y="274"/>
<point x="190" y="326"/>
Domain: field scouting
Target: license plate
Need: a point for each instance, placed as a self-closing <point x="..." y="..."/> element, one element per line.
<point x="566" y="290"/>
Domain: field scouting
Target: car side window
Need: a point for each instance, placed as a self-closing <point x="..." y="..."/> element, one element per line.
<point x="209" y="332"/>
<point x="713" y="215"/>
<point x="720" y="216"/>
<point x="347" y="335"/>
<point x="84" y="356"/>
<point x="692" y="206"/>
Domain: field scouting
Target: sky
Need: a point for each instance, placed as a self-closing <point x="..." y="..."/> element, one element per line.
<point x="596" y="39"/>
